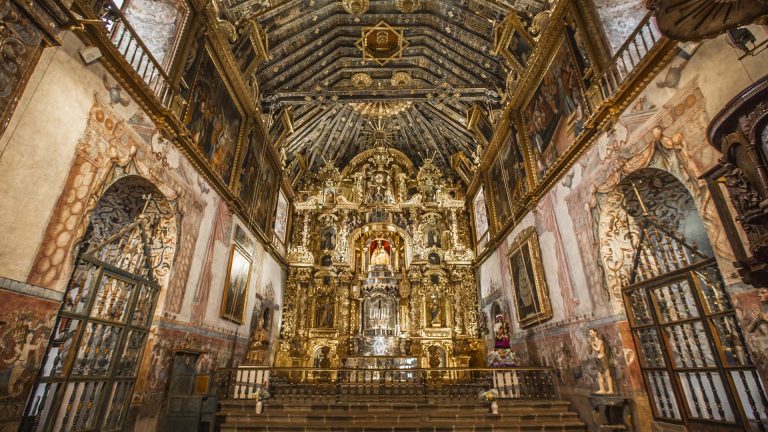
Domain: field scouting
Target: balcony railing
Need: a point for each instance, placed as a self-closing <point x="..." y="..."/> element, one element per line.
<point x="625" y="63"/>
<point x="384" y="385"/>
<point x="129" y="46"/>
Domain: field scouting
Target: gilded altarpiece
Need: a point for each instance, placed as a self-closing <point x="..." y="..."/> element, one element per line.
<point x="380" y="269"/>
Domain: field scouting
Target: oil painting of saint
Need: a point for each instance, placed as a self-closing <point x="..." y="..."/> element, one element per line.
<point x="214" y="119"/>
<point x="236" y="286"/>
<point x="529" y="284"/>
<point x="266" y="193"/>
<point x="249" y="168"/>
<point x="555" y="114"/>
<point x="520" y="48"/>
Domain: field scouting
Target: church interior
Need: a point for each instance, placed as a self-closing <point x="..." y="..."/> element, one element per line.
<point x="370" y="215"/>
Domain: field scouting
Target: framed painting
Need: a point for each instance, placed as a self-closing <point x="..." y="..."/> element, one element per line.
<point x="497" y="187"/>
<point x="480" y="218"/>
<point x="507" y="183"/>
<point x="479" y="124"/>
<point x="282" y="126"/>
<point x="556" y="112"/>
<point x="214" y="118"/>
<point x="266" y="193"/>
<point x="249" y="167"/>
<point x="281" y="220"/>
<point x="513" y="161"/>
<point x="236" y="285"/>
<point x="529" y="285"/>
<point x="513" y="43"/>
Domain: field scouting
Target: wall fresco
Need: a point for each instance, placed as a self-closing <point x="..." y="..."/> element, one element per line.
<point x="580" y="228"/>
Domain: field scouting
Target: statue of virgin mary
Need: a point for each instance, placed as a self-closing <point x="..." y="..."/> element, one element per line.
<point x="380" y="256"/>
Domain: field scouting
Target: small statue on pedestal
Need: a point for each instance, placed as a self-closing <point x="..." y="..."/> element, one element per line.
<point x="602" y="363"/>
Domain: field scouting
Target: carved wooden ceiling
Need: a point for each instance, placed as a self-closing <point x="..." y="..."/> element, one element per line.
<point x="442" y="65"/>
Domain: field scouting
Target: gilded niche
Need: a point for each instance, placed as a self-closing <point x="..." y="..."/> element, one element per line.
<point x="380" y="267"/>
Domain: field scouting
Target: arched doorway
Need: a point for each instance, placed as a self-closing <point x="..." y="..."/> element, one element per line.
<point x="93" y="356"/>
<point x="695" y="363"/>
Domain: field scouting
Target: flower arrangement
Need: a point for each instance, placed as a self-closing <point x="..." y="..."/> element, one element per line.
<point x="489" y="395"/>
<point x="263" y="394"/>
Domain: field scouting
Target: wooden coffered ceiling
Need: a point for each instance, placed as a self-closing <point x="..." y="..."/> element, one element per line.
<point x="316" y="68"/>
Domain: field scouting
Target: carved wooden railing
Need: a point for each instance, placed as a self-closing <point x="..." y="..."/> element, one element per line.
<point x="626" y="63"/>
<point x="350" y="385"/>
<point x="130" y="47"/>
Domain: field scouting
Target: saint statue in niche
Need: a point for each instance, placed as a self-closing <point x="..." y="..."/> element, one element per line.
<point x="380" y="257"/>
<point x="329" y="239"/>
<point x="435" y="312"/>
<point x="324" y="316"/>
<point x="602" y="363"/>
<point x="433" y="238"/>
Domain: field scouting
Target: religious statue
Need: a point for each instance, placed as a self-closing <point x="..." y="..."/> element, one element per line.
<point x="324" y="317"/>
<point x="435" y="312"/>
<point x="501" y="331"/>
<point x="380" y="257"/>
<point x="259" y="342"/>
<point x="602" y="363"/>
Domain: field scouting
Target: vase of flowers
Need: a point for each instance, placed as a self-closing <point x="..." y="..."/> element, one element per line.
<point x="261" y="396"/>
<point x="491" y="396"/>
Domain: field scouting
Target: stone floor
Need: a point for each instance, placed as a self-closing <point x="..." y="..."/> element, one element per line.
<point x="514" y="415"/>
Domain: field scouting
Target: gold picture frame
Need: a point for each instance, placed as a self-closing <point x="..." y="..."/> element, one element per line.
<point x="529" y="285"/>
<point x="480" y="124"/>
<point x="235" y="298"/>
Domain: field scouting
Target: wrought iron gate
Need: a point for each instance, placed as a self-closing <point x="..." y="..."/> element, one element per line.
<point x="692" y="352"/>
<point x="92" y="359"/>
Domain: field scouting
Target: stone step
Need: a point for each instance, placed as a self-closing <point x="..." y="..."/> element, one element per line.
<point x="398" y="406"/>
<point x="454" y="415"/>
<point x="408" y="427"/>
<point x="302" y="416"/>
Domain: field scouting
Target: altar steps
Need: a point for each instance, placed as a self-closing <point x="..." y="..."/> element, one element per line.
<point x="517" y="415"/>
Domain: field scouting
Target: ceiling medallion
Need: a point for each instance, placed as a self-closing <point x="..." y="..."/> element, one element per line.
<point x="378" y="134"/>
<point x="407" y="6"/>
<point x="361" y="80"/>
<point x="356" y="7"/>
<point x="382" y="43"/>
<point x="400" y="79"/>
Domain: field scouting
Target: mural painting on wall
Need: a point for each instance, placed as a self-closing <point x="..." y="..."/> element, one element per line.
<point x="236" y="286"/>
<point x="214" y="119"/>
<point x="531" y="294"/>
<point x="157" y="23"/>
<point x="555" y="114"/>
<point x="24" y="330"/>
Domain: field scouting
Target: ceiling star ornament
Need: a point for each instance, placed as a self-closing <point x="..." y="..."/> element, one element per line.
<point x="694" y="20"/>
<point x="407" y="6"/>
<point x="378" y="133"/>
<point x="356" y="7"/>
<point x="382" y="43"/>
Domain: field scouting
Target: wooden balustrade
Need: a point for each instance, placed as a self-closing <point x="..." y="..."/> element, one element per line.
<point x="390" y="385"/>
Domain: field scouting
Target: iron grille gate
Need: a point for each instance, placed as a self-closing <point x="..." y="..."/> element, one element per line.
<point x="92" y="360"/>
<point x="692" y="352"/>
